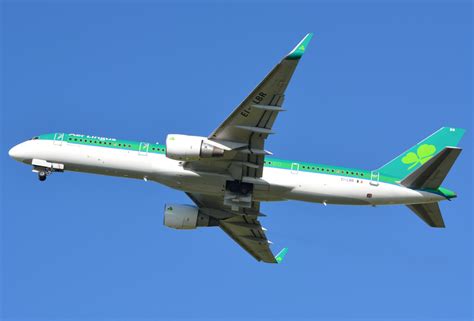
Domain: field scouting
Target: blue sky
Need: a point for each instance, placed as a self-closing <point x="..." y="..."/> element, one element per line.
<point x="377" y="78"/>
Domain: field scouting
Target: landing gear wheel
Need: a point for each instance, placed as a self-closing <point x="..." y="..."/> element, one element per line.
<point x="239" y="187"/>
<point x="42" y="175"/>
<point x="244" y="190"/>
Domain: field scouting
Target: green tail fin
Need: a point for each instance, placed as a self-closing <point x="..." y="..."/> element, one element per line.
<point x="419" y="154"/>
<point x="279" y="257"/>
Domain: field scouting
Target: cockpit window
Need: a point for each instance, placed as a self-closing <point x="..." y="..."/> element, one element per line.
<point x="36" y="137"/>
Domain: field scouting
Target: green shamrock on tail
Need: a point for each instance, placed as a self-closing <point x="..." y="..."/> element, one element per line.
<point x="423" y="154"/>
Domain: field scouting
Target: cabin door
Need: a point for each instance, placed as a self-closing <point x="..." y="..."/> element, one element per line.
<point x="295" y="167"/>
<point x="143" y="149"/>
<point x="58" y="139"/>
<point x="374" y="178"/>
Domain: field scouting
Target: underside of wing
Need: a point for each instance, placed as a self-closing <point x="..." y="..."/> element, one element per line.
<point x="245" y="130"/>
<point x="237" y="149"/>
<point x="242" y="226"/>
<point x="250" y="235"/>
<point x="253" y="119"/>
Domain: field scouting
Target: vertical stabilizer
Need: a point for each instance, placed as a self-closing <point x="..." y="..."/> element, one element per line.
<point x="415" y="157"/>
<point x="432" y="173"/>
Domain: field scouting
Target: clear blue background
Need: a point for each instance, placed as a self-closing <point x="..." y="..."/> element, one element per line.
<point x="377" y="78"/>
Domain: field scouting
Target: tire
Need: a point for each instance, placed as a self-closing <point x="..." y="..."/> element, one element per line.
<point x="42" y="176"/>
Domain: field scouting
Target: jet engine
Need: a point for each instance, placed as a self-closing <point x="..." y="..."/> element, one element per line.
<point x="186" y="217"/>
<point x="191" y="148"/>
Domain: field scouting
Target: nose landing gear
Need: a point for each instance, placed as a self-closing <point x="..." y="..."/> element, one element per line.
<point x="42" y="174"/>
<point x="45" y="168"/>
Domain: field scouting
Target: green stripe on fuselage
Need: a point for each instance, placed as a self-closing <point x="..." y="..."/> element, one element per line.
<point x="316" y="168"/>
<point x="100" y="141"/>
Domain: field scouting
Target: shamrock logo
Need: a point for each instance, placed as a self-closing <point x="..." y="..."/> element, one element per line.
<point x="301" y="48"/>
<point x="423" y="154"/>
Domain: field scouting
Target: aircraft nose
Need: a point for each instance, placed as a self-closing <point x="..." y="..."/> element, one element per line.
<point x="16" y="152"/>
<point x="13" y="151"/>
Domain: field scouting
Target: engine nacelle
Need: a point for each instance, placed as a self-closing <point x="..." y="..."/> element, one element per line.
<point x="186" y="217"/>
<point x="191" y="148"/>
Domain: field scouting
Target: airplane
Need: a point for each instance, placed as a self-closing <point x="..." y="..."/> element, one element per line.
<point x="229" y="173"/>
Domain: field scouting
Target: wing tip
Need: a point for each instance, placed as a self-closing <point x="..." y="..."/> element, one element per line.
<point x="281" y="255"/>
<point x="300" y="48"/>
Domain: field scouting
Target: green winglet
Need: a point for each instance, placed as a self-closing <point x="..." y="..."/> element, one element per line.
<point x="279" y="257"/>
<point x="300" y="48"/>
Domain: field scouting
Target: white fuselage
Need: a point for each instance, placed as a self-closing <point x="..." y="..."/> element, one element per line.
<point x="275" y="185"/>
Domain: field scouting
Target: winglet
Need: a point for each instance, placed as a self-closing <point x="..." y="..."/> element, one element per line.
<point x="279" y="257"/>
<point x="300" y="48"/>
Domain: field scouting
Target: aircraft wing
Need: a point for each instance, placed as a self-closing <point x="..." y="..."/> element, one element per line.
<point x="249" y="125"/>
<point x="243" y="226"/>
<point x="243" y="134"/>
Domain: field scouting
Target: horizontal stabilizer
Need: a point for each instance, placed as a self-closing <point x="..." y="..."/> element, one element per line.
<point x="432" y="173"/>
<point x="429" y="213"/>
